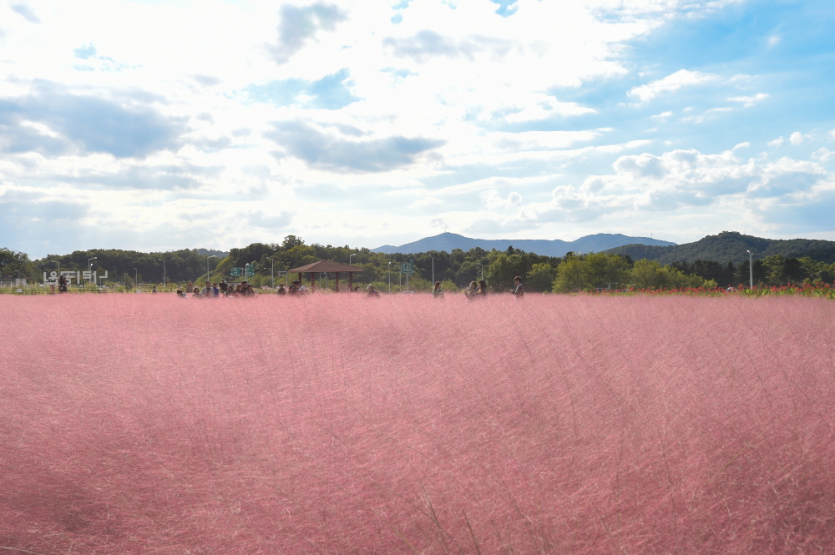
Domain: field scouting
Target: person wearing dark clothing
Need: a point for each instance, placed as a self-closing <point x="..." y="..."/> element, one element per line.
<point x="372" y="292"/>
<point x="519" y="291"/>
<point x="62" y="284"/>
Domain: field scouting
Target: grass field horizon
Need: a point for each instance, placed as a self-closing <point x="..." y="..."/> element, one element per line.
<point x="406" y="424"/>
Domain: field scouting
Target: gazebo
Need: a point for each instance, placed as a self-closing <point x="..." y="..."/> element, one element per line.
<point x="327" y="266"/>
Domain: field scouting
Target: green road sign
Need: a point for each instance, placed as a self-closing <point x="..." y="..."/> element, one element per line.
<point x="235" y="272"/>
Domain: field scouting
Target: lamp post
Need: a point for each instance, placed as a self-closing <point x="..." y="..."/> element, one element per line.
<point x="207" y="265"/>
<point x="272" y="278"/>
<point x="135" y="277"/>
<point x="90" y="266"/>
<point x="433" y="271"/>
<point x="482" y="270"/>
<point x="751" y="268"/>
<point x="349" y="259"/>
<point x="164" y="283"/>
<point x="389" y="273"/>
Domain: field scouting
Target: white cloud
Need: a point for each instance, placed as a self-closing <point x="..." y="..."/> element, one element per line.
<point x="796" y="138"/>
<point x="823" y="155"/>
<point x="776" y="142"/>
<point x="748" y="101"/>
<point x="647" y="183"/>
<point x="672" y="83"/>
<point x="493" y="200"/>
<point x="145" y="111"/>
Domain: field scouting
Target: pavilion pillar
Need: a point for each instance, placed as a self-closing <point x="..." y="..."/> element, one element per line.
<point x="336" y="286"/>
<point x="312" y="281"/>
<point x="351" y="282"/>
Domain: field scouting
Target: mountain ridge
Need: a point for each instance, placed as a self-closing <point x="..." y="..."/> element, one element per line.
<point x="731" y="246"/>
<point x="447" y="242"/>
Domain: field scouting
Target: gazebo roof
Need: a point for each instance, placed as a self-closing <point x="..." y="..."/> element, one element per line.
<point x="325" y="266"/>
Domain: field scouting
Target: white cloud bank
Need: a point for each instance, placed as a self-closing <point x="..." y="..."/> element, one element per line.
<point x="160" y="125"/>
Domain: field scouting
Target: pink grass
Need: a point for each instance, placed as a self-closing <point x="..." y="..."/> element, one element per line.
<point x="342" y="424"/>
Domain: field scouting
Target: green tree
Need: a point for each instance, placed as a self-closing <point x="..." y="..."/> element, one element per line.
<point x="591" y="271"/>
<point x="569" y="275"/>
<point x="780" y="270"/>
<point x="16" y="264"/>
<point x="650" y="274"/>
<point x="501" y="271"/>
<point x="605" y="271"/>
<point x="540" y="277"/>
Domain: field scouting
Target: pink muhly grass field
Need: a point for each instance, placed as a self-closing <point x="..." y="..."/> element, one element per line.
<point x="343" y="424"/>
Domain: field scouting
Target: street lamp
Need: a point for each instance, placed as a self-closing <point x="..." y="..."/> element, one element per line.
<point x="349" y="259"/>
<point x="163" y="271"/>
<point x="207" y="265"/>
<point x="272" y="279"/>
<point x="751" y="267"/>
<point x="90" y="266"/>
<point x="389" y="273"/>
<point x="135" y="278"/>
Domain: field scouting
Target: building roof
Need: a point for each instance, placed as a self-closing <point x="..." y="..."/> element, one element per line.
<point x="325" y="266"/>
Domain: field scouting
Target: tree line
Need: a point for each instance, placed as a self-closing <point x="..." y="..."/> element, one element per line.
<point x="456" y="269"/>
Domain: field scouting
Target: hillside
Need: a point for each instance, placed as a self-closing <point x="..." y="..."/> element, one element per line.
<point x="732" y="246"/>
<point x="447" y="242"/>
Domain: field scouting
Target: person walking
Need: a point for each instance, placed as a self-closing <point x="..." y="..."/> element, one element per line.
<point x="436" y="292"/>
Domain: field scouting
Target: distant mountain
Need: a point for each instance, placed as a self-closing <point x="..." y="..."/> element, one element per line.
<point x="731" y="246"/>
<point x="591" y="243"/>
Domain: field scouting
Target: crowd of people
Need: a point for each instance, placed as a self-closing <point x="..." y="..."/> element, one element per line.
<point x="243" y="289"/>
<point x="215" y="290"/>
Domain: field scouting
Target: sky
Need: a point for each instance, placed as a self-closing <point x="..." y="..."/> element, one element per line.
<point x="157" y="125"/>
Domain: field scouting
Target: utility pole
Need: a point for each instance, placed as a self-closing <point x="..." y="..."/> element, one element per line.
<point x="751" y="268"/>
<point x="164" y="281"/>
<point x="207" y="265"/>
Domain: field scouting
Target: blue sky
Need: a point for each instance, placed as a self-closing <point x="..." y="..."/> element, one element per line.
<point x="163" y="125"/>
